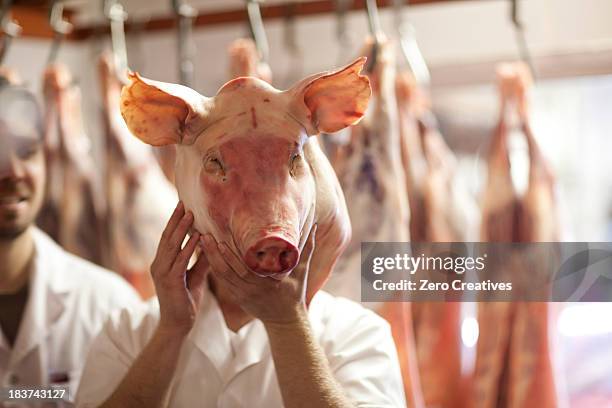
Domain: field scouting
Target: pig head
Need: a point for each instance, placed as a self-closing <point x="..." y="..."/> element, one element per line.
<point x="247" y="166"/>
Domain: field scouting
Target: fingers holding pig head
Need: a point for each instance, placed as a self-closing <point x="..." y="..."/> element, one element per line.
<point x="300" y="273"/>
<point x="161" y="262"/>
<point x="265" y="298"/>
<point x="169" y="253"/>
<point x="179" y="291"/>
<point x="229" y="269"/>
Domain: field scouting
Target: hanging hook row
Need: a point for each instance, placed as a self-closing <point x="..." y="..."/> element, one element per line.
<point x="10" y="28"/>
<point x="521" y="39"/>
<point x="185" y="15"/>
<point x="116" y="14"/>
<point x="375" y="31"/>
<point x="257" y="29"/>
<point x="60" y="28"/>
<point x="409" y="46"/>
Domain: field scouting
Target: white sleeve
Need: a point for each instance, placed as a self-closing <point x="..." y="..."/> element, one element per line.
<point x="364" y="361"/>
<point x="112" y="353"/>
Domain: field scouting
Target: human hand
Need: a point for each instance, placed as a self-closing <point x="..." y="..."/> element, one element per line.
<point x="271" y="301"/>
<point x="179" y="291"/>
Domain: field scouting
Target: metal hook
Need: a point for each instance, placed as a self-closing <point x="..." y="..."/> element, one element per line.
<point x="290" y="35"/>
<point x="116" y="14"/>
<point x="9" y="27"/>
<point x="342" y="32"/>
<point x="342" y="8"/>
<point x="292" y="45"/>
<point x="60" y="28"/>
<point x="409" y="46"/>
<point x="519" y="27"/>
<point x="375" y="30"/>
<point x="185" y="15"/>
<point x="257" y="29"/>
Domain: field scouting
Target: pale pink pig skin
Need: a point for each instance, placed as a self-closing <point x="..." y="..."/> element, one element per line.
<point x="247" y="167"/>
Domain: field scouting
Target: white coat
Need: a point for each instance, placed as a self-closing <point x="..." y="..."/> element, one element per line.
<point x="68" y="301"/>
<point x="223" y="369"/>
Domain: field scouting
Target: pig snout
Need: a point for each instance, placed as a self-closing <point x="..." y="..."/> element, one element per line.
<point x="271" y="256"/>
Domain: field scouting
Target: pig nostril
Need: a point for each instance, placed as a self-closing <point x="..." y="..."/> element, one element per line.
<point x="271" y="255"/>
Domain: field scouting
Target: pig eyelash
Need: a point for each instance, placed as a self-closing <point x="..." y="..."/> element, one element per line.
<point x="293" y="163"/>
<point x="214" y="166"/>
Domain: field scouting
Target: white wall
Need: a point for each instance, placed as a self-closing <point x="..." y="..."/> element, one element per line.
<point x="28" y="57"/>
<point x="449" y="33"/>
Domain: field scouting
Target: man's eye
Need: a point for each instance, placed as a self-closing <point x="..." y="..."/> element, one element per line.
<point x="27" y="151"/>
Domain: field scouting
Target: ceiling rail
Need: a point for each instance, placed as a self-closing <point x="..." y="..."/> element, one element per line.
<point x="239" y="15"/>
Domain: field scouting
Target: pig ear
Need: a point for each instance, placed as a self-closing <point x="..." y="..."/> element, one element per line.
<point x="329" y="102"/>
<point x="160" y="113"/>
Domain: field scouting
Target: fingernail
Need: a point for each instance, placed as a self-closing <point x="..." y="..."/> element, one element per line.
<point x="222" y="248"/>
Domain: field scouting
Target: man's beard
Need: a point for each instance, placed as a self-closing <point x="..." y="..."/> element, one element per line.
<point x="11" y="232"/>
<point x="12" y="226"/>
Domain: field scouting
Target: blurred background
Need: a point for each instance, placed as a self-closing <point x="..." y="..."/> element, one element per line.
<point x="451" y="48"/>
<point x="570" y="42"/>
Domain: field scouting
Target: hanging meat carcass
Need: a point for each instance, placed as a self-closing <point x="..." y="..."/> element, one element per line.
<point x="514" y="364"/>
<point x="140" y="199"/>
<point x="73" y="210"/>
<point x="411" y="107"/>
<point x="244" y="61"/>
<point x="440" y="211"/>
<point x="499" y="221"/>
<point x="9" y="75"/>
<point x="531" y="374"/>
<point x="371" y="175"/>
<point x="370" y="171"/>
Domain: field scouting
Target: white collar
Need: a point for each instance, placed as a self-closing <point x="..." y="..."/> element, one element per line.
<point x="213" y="338"/>
<point x="46" y="297"/>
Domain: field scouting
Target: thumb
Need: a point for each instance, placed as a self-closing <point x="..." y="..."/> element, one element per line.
<point x="301" y="270"/>
<point x="197" y="274"/>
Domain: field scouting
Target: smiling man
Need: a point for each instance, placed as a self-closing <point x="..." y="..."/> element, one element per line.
<point x="51" y="303"/>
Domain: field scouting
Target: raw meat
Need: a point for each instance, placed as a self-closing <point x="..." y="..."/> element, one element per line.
<point x="140" y="199"/>
<point x="74" y="208"/>
<point x="371" y="175"/>
<point x="514" y="365"/>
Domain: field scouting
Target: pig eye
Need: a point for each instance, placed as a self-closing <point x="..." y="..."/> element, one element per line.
<point x="294" y="164"/>
<point x="212" y="165"/>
